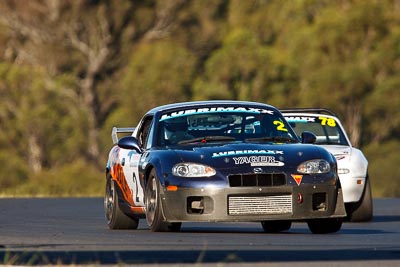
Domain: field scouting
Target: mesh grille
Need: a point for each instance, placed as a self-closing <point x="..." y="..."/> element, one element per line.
<point x="249" y="205"/>
<point x="262" y="179"/>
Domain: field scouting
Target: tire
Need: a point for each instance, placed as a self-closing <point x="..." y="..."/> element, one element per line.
<point x="325" y="226"/>
<point x="116" y="218"/>
<point x="154" y="216"/>
<point x="361" y="211"/>
<point x="276" y="226"/>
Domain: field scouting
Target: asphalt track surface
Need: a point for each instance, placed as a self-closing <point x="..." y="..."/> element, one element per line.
<point x="72" y="231"/>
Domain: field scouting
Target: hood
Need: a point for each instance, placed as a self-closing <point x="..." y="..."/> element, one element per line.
<point x="341" y="153"/>
<point x="265" y="155"/>
<point x="349" y="159"/>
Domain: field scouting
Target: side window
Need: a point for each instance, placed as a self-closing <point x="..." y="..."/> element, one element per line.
<point x="144" y="131"/>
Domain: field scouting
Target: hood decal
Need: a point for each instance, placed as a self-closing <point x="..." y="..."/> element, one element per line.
<point x="339" y="157"/>
<point x="246" y="152"/>
<point x="255" y="161"/>
<point x="297" y="178"/>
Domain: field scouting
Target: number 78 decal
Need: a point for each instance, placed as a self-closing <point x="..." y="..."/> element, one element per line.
<point x="327" y="121"/>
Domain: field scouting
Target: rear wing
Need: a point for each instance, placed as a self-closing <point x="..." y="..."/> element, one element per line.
<point x="116" y="131"/>
<point x="309" y="110"/>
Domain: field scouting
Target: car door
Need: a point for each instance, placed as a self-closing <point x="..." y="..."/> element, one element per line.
<point x="131" y="160"/>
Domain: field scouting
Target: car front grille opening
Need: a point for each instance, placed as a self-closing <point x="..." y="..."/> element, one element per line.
<point x="262" y="179"/>
<point x="195" y="205"/>
<point x="199" y="205"/>
<point x="260" y="205"/>
<point x="319" y="202"/>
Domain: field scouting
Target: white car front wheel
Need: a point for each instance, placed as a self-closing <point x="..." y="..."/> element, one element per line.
<point x="362" y="210"/>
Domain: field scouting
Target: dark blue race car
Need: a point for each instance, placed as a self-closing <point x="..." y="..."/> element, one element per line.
<point x="220" y="161"/>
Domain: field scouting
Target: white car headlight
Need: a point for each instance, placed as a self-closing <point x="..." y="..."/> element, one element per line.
<point x="192" y="170"/>
<point x="314" y="166"/>
<point x="343" y="171"/>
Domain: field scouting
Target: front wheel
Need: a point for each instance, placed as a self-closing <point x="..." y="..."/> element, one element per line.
<point x="362" y="210"/>
<point x="154" y="215"/>
<point x="325" y="226"/>
<point x="116" y="219"/>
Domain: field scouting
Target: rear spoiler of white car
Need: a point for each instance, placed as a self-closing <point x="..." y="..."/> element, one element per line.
<point x="116" y="131"/>
<point x="309" y="110"/>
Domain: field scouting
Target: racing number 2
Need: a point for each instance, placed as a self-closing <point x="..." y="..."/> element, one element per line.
<point x="280" y="126"/>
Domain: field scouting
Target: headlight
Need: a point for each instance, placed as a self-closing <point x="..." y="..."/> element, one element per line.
<point x="192" y="170"/>
<point x="343" y="171"/>
<point x="314" y="166"/>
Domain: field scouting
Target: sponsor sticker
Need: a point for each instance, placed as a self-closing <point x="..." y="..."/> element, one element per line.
<point x="339" y="157"/>
<point x="215" y="109"/>
<point x="299" y="119"/>
<point x="297" y="178"/>
<point x="255" y="161"/>
<point x="133" y="158"/>
<point x="246" y="152"/>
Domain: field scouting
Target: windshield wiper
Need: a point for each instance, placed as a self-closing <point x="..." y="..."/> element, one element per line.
<point x="273" y="139"/>
<point x="206" y="139"/>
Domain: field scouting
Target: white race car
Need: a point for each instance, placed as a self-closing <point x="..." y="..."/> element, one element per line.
<point x="352" y="164"/>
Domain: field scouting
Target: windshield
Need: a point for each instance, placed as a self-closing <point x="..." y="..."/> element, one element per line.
<point x="325" y="128"/>
<point x="224" y="125"/>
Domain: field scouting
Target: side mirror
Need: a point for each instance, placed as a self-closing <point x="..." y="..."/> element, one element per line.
<point x="129" y="142"/>
<point x="308" y="137"/>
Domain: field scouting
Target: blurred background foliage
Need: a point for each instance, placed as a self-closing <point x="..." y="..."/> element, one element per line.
<point x="70" y="70"/>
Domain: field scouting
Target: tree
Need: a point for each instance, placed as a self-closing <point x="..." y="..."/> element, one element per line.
<point x="87" y="40"/>
<point x="336" y="53"/>
<point x="38" y="123"/>
<point x="58" y="38"/>
<point x="235" y="70"/>
<point x="76" y="68"/>
<point x="249" y="65"/>
<point x="158" y="73"/>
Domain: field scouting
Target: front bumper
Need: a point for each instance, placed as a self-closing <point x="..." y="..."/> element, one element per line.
<point x="353" y="187"/>
<point x="253" y="203"/>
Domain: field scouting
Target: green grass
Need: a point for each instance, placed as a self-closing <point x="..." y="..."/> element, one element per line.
<point x="72" y="180"/>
